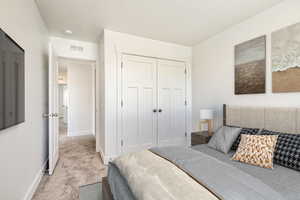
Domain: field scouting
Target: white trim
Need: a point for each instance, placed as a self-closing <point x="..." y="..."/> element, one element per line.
<point x="103" y="157"/>
<point x="106" y="159"/>
<point x="101" y="153"/>
<point x="80" y="133"/>
<point x="94" y="113"/>
<point x="189" y="100"/>
<point x="33" y="187"/>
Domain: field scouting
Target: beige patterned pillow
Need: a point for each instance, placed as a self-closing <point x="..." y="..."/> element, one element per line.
<point x="256" y="150"/>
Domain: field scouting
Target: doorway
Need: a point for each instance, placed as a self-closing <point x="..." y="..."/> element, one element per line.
<point x="72" y="103"/>
<point x="76" y="94"/>
<point x="76" y="117"/>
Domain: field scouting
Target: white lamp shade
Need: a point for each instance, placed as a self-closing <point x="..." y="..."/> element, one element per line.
<point x="206" y="114"/>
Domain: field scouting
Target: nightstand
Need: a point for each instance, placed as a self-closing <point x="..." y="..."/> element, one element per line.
<point x="200" y="138"/>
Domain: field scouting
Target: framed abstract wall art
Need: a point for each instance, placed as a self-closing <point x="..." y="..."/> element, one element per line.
<point x="250" y="66"/>
<point x="286" y="59"/>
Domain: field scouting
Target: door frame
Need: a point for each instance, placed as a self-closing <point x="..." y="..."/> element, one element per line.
<point x="188" y="110"/>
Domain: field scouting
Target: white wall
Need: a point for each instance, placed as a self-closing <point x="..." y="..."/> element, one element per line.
<point x="23" y="148"/>
<point x="81" y="98"/>
<point x="114" y="45"/>
<point x="213" y="62"/>
<point x="63" y="48"/>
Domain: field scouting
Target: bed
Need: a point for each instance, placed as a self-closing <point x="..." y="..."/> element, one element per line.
<point x="216" y="174"/>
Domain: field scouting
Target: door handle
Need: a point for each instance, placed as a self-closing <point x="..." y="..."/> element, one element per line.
<point x="51" y="115"/>
<point x="154" y="110"/>
<point x="159" y="110"/>
<point x="46" y="115"/>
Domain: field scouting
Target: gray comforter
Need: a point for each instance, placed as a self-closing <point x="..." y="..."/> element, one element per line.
<point x="228" y="179"/>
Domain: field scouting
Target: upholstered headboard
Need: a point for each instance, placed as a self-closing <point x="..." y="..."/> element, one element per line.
<point x="272" y="118"/>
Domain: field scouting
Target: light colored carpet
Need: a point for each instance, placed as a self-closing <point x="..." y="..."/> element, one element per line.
<point x="79" y="165"/>
<point x="91" y="192"/>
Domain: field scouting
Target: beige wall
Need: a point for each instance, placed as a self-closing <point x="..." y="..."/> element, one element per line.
<point x="213" y="62"/>
<point x="23" y="148"/>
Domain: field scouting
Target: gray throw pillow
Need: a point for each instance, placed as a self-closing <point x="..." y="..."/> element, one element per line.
<point x="223" y="139"/>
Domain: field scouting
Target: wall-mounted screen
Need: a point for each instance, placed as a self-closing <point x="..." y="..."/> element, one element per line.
<point x="12" y="81"/>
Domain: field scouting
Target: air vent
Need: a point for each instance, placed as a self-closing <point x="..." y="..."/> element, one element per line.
<point x="76" y="48"/>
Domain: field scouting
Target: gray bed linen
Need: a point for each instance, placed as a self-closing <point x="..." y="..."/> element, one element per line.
<point x="118" y="185"/>
<point x="226" y="181"/>
<point x="284" y="181"/>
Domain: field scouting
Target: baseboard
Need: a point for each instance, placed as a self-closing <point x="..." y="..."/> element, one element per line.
<point x="33" y="187"/>
<point x="106" y="159"/>
<point x="101" y="152"/>
<point x="111" y="158"/>
<point x="80" y="133"/>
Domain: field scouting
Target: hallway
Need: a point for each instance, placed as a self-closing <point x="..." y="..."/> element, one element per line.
<point x="78" y="165"/>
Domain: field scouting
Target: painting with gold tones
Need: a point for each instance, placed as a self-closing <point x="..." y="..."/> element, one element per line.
<point x="286" y="59"/>
<point x="250" y="66"/>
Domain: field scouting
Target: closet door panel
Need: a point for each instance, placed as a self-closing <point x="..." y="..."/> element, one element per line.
<point x="171" y="101"/>
<point x="165" y="116"/>
<point x="179" y="114"/>
<point x="131" y="120"/>
<point x="147" y="119"/>
<point x="139" y="124"/>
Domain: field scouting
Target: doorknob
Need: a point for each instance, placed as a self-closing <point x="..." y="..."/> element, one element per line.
<point x="159" y="110"/>
<point x="46" y="115"/>
<point x="154" y="110"/>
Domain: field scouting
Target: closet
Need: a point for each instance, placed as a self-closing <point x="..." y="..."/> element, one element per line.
<point x="144" y="94"/>
<point x="153" y="103"/>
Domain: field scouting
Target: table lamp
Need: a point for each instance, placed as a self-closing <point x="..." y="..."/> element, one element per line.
<point x="206" y="116"/>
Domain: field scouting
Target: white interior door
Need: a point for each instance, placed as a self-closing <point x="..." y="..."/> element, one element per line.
<point x="139" y="119"/>
<point x="53" y="115"/>
<point x="171" y="103"/>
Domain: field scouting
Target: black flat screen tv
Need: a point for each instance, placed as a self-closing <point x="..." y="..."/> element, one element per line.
<point x="12" y="81"/>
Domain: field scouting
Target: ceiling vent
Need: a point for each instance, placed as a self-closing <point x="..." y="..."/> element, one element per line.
<point x="76" y="48"/>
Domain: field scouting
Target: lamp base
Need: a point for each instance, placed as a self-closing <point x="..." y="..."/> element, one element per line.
<point x="209" y="129"/>
<point x="209" y="126"/>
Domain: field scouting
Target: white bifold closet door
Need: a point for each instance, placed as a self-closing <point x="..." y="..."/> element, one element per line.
<point x="139" y="122"/>
<point x="171" y="98"/>
<point x="153" y="96"/>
